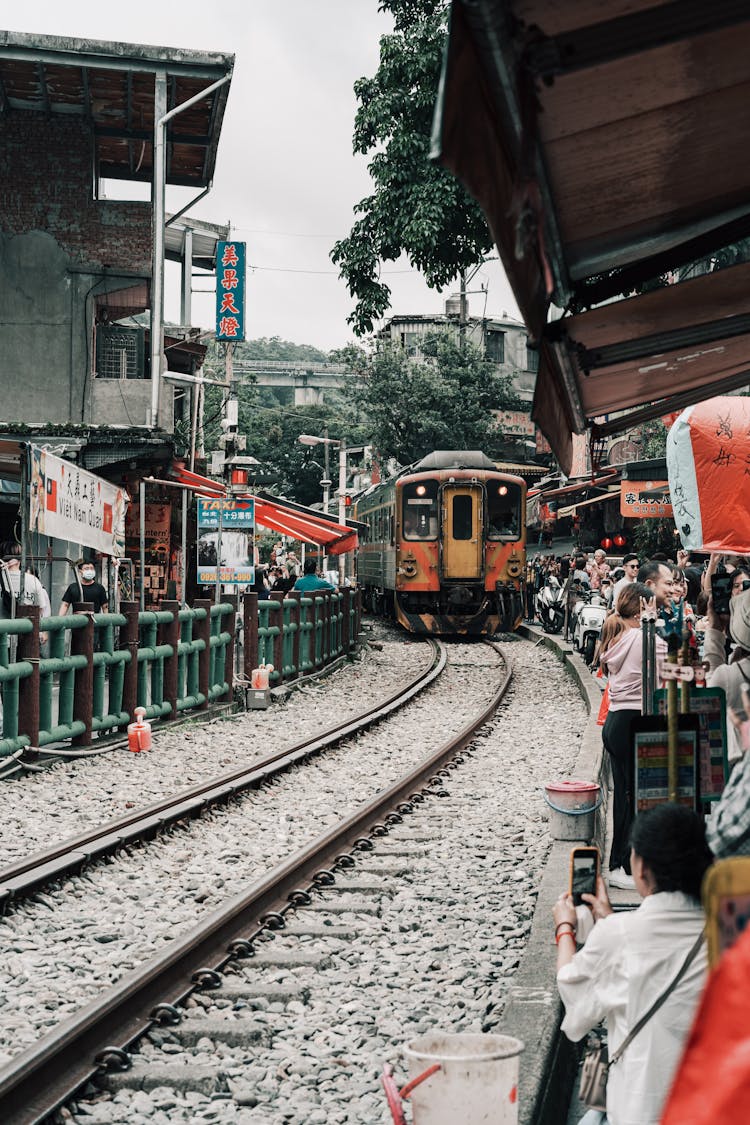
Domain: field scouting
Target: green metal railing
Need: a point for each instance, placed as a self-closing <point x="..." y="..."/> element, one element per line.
<point x="66" y="679"/>
<point x="100" y="667"/>
<point x="297" y="633"/>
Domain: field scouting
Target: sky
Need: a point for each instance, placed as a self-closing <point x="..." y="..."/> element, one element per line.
<point x="286" y="179"/>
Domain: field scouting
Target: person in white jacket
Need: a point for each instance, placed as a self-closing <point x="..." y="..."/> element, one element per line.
<point x="629" y="959"/>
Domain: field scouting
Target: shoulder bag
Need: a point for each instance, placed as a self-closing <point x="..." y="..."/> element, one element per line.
<point x="596" y="1064"/>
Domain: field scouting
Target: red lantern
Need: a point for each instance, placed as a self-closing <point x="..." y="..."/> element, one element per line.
<point x="620" y="540"/>
<point x="606" y="543"/>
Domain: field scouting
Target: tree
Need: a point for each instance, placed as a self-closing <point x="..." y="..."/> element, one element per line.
<point x="446" y="402"/>
<point x="417" y="207"/>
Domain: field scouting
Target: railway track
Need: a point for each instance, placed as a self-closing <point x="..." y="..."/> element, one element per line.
<point x="21" y="878"/>
<point x="49" y="1072"/>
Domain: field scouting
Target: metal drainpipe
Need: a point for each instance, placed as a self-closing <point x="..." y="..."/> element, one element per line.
<point x="159" y="180"/>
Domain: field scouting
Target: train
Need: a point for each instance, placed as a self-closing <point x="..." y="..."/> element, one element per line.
<point x="444" y="547"/>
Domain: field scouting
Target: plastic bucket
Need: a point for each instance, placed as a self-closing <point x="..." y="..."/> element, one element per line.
<point x="572" y="807"/>
<point x="477" y="1083"/>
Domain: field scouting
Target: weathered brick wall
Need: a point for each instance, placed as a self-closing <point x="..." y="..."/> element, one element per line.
<point x="46" y="183"/>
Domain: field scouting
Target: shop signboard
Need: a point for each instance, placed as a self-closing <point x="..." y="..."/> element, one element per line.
<point x="235" y="519"/>
<point x="68" y="503"/>
<point x="645" y="499"/>
<point x="230" y="291"/>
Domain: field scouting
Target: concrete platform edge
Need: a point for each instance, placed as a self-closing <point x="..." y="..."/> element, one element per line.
<point x="533" y="1012"/>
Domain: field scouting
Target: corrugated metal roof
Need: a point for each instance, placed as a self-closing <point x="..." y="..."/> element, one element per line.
<point x="111" y="86"/>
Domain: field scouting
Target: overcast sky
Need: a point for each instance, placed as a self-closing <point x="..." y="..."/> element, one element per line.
<point x="286" y="178"/>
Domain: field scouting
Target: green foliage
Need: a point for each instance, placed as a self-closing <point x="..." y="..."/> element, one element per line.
<point x="287" y="467"/>
<point x="653" y="437"/>
<point x="446" y="403"/>
<point x="417" y="208"/>
<point x="271" y="348"/>
<point x="651" y="536"/>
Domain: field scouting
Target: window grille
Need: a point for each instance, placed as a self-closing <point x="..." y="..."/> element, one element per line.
<point x="120" y="352"/>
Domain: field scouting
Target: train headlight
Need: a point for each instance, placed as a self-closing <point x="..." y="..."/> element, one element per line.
<point x="409" y="568"/>
<point x="514" y="568"/>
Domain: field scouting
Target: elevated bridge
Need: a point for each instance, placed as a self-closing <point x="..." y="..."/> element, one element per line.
<point x="307" y="380"/>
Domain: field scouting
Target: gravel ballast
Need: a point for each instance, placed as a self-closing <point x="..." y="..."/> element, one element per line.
<point x="66" y="944"/>
<point x="436" y="942"/>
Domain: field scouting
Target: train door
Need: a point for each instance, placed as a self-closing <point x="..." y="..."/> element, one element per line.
<point x="462" y="535"/>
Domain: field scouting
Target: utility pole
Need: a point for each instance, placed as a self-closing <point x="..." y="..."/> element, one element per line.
<point x="342" y="505"/>
<point x="462" y="311"/>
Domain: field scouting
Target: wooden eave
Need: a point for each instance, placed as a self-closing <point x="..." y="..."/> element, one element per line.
<point x="110" y="87"/>
<point x="606" y="144"/>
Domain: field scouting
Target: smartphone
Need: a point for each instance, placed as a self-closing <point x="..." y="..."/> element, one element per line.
<point x="721" y="590"/>
<point x="584" y="871"/>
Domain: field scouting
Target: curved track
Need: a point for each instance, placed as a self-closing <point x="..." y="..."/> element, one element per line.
<point x="71" y="855"/>
<point x="47" y="1074"/>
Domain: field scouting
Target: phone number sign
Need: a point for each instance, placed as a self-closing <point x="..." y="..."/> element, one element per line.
<point x="230" y="290"/>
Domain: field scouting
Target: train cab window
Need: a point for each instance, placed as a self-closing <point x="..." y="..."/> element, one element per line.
<point x="463" y="517"/>
<point x="419" y="510"/>
<point x="503" y="510"/>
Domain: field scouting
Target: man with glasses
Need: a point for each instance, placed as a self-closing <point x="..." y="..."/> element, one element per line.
<point x="630" y="564"/>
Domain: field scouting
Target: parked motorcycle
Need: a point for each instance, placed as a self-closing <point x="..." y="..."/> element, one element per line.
<point x="550" y="605"/>
<point x="589" y="613"/>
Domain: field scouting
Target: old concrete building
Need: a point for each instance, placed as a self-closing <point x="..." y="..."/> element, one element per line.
<point x="75" y="267"/>
<point x="503" y="340"/>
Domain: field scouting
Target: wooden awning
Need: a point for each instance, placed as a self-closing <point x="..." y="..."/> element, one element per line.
<point x="109" y="86"/>
<point x="606" y="144"/>
<point x="668" y="348"/>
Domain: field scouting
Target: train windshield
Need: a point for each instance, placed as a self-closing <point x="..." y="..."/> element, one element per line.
<point x="503" y="510"/>
<point x="420" y="509"/>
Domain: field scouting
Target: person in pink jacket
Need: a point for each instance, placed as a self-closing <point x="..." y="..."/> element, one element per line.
<point x="622" y="662"/>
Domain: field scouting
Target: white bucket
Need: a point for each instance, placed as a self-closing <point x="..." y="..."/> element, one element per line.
<point x="572" y="806"/>
<point x="477" y="1083"/>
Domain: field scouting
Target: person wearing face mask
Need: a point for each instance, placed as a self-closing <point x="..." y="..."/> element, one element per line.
<point x="85" y="589"/>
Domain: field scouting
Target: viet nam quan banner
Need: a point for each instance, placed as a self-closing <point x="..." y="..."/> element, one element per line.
<point x="70" y="504"/>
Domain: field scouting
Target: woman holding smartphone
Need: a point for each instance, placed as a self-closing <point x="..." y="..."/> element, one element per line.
<point x="631" y="959"/>
<point x="622" y="661"/>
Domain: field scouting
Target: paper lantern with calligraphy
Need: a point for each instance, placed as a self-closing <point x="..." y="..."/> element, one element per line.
<point x="708" y="463"/>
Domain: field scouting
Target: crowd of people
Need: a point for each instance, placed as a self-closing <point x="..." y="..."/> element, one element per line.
<point x="641" y="972"/>
<point x="283" y="572"/>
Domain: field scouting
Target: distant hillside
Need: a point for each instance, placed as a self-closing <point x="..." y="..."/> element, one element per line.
<point x="274" y="348"/>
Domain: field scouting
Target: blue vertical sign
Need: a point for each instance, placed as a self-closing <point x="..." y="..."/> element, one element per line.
<point x="230" y="290"/>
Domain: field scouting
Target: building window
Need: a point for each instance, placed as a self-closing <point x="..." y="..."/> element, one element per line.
<point x="495" y="347"/>
<point x="532" y="357"/>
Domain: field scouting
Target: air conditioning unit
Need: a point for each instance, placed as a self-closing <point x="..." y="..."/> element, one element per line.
<point x="120" y="352"/>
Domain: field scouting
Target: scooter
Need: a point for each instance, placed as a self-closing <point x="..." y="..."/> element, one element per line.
<point x="550" y="605"/>
<point x="590" y="614"/>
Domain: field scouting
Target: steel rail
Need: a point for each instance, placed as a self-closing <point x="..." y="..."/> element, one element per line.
<point x="74" y="853"/>
<point x="45" y="1075"/>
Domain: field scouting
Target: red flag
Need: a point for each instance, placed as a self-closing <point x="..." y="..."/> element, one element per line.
<point x="51" y="503"/>
<point x="107" y="521"/>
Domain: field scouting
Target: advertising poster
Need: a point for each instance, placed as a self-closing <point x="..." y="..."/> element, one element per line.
<point x="709" y="704"/>
<point x="651" y="755"/>
<point x="237" y="541"/>
<point x="70" y="504"/>
<point x="157" y="546"/>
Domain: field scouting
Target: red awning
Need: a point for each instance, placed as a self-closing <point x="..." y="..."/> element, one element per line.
<point x="203" y="485"/>
<point x="335" y="537"/>
<point x="288" y="519"/>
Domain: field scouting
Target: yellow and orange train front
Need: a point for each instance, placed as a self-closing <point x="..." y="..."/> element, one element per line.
<point x="460" y="552"/>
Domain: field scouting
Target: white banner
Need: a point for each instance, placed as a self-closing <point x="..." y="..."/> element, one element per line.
<point x="69" y="503"/>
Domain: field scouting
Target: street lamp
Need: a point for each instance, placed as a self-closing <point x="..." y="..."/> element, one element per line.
<point x="313" y="439"/>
